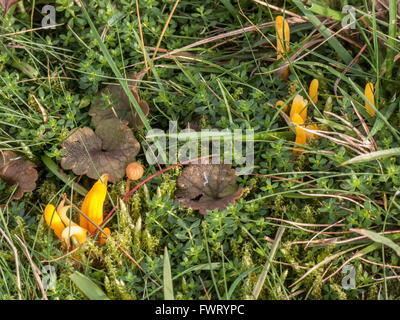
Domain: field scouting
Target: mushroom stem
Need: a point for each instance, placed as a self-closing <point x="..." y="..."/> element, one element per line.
<point x="127" y="185"/>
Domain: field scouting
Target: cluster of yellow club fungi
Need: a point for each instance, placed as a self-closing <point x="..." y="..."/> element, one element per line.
<point x="298" y="112"/>
<point x="92" y="207"/>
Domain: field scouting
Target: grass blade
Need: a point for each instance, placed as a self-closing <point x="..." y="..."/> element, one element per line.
<point x="88" y="287"/>
<point x="263" y="275"/>
<point x="52" y="166"/>
<point x="391" y="45"/>
<point x="327" y="12"/>
<point x="379" y="123"/>
<point x="168" y="286"/>
<point x="226" y="101"/>
<point x="379" y="239"/>
<point x="228" y="5"/>
<point x="373" y="156"/>
<point x="211" y="268"/>
<point x="237" y="281"/>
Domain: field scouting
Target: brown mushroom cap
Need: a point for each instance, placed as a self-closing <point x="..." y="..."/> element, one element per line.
<point x="134" y="171"/>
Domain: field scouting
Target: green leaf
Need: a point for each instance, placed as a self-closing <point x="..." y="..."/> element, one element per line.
<point x="378" y="238"/>
<point x="228" y="5"/>
<point x="168" y="286"/>
<point x="392" y="41"/>
<point x="264" y="272"/>
<point x="237" y="281"/>
<point x="373" y="156"/>
<point x="379" y="123"/>
<point x="88" y="287"/>
<point x="327" y="12"/>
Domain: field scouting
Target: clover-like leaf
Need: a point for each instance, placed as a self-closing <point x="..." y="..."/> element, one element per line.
<point x="207" y="187"/>
<point x="17" y="170"/>
<point x="111" y="102"/>
<point x="107" y="150"/>
<point x="6" y="4"/>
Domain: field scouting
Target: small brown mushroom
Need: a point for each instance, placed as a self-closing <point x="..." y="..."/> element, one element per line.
<point x="134" y="171"/>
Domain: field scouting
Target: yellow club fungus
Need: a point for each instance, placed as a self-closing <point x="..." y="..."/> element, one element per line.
<point x="301" y="137"/>
<point x="313" y="90"/>
<point x="93" y="204"/>
<point x="53" y="220"/>
<point x="280" y="103"/>
<point x="299" y="106"/>
<point x="369" y="94"/>
<point x="282" y="43"/>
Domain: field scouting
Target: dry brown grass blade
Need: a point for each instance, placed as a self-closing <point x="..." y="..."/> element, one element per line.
<point x="239" y="32"/>
<point x="387" y="278"/>
<point x="292" y="180"/>
<point x="14" y="249"/>
<point x="322" y="225"/>
<point x="316" y="243"/>
<point x="35" y="270"/>
<point x="163" y="32"/>
<point x="204" y="288"/>
<point x="294" y="266"/>
<point x="336" y="240"/>
<point x="64" y="256"/>
<point x="42" y="110"/>
<point x="300" y="226"/>
<point x="28" y="30"/>
<point x="352" y="63"/>
<point x="322" y="195"/>
<point x="374" y="146"/>
<point x="209" y="88"/>
<point x="332" y="241"/>
<point x="379" y="264"/>
<point x="295" y="58"/>
<point x="355" y="256"/>
<point x="359" y="146"/>
<point x="296" y="293"/>
<point x="347" y="123"/>
<point x="141" y="34"/>
<point x="286" y="12"/>
<point x="352" y="146"/>
<point x="324" y="230"/>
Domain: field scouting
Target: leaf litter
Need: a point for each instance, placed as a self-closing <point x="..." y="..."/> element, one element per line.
<point x="208" y="187"/>
<point x="17" y="170"/>
<point x="108" y="149"/>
